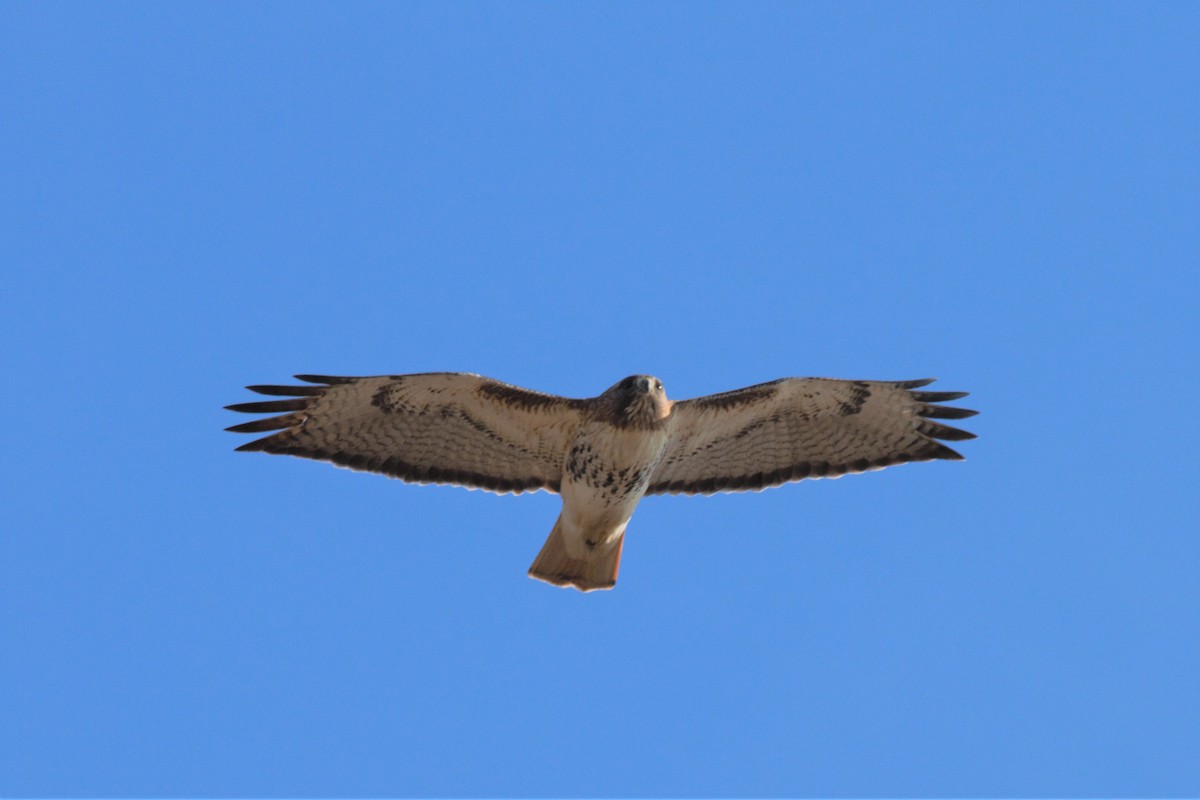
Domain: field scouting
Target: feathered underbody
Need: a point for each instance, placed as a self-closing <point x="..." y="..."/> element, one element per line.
<point x="605" y="453"/>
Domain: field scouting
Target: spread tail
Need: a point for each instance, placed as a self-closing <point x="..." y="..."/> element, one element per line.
<point x="596" y="570"/>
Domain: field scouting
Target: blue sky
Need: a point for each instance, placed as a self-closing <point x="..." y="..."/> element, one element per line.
<point x="197" y="197"/>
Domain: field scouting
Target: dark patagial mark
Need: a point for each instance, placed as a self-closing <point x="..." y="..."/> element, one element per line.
<point x="735" y="398"/>
<point x="524" y="399"/>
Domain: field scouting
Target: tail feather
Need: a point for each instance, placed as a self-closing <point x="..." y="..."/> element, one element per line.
<point x="596" y="570"/>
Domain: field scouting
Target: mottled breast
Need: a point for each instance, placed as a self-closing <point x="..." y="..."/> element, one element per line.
<point x="611" y="464"/>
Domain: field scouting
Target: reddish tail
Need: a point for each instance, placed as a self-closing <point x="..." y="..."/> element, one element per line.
<point x="596" y="570"/>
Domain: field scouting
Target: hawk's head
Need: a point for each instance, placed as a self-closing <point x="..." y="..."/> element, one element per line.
<point x="638" y="401"/>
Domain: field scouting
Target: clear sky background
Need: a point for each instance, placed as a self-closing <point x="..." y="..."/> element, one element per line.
<point x="197" y="197"/>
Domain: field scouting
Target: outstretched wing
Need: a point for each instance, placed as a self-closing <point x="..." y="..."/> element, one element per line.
<point x="446" y="427"/>
<point x="797" y="428"/>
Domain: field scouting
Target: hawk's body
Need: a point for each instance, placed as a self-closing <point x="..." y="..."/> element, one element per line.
<point x="603" y="454"/>
<point x="607" y="471"/>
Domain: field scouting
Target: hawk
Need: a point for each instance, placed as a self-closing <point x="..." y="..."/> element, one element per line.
<point x="602" y="454"/>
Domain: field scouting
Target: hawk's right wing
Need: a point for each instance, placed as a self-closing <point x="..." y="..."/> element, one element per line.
<point x="443" y="427"/>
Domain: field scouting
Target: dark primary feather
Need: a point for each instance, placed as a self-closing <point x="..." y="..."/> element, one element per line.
<point x="269" y="407"/>
<point x="268" y="424"/>
<point x="288" y="391"/>
<point x="937" y="397"/>
<point x="946" y="412"/>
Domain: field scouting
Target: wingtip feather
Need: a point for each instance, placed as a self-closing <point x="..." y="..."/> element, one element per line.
<point x="268" y="424"/>
<point x="938" y="431"/>
<point x="946" y="412"/>
<point x="256" y="446"/>
<point x="269" y="406"/>
<point x="287" y="391"/>
<point x="938" y="397"/>
<point x="942" y="452"/>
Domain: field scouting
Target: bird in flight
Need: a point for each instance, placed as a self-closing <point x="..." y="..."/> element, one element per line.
<point x="602" y="454"/>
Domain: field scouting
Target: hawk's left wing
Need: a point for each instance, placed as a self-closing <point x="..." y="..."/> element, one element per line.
<point x="797" y="428"/>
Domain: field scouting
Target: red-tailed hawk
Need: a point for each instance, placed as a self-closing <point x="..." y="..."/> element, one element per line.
<point x="602" y="454"/>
